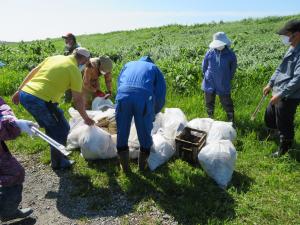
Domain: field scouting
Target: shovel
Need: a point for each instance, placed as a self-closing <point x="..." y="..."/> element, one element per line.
<point x="253" y="116"/>
<point x="49" y="140"/>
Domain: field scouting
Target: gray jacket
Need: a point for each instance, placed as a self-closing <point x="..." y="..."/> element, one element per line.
<point x="285" y="81"/>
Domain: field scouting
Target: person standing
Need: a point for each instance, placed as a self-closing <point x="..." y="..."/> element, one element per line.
<point x="11" y="171"/>
<point x="41" y="90"/>
<point x="70" y="46"/>
<point x="285" y="87"/>
<point x="141" y="94"/>
<point x="218" y="67"/>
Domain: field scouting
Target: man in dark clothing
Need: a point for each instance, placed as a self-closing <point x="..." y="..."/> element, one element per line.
<point x="285" y="86"/>
<point x="71" y="44"/>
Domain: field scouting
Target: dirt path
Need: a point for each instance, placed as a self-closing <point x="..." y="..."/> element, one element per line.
<point x="48" y="193"/>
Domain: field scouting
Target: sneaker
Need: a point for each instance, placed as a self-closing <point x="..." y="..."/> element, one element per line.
<point x="19" y="214"/>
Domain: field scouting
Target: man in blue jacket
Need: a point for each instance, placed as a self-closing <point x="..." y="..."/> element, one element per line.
<point x="141" y="94"/>
<point x="285" y="86"/>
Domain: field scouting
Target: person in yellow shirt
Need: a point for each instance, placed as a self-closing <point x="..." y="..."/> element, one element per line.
<point x="41" y="91"/>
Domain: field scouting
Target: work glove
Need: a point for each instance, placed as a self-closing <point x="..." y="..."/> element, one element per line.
<point x="25" y="126"/>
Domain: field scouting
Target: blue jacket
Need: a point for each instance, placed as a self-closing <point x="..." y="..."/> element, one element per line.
<point x="144" y="78"/>
<point x="218" y="69"/>
<point x="285" y="81"/>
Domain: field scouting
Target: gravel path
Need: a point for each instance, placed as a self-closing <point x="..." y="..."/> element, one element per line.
<point x="48" y="193"/>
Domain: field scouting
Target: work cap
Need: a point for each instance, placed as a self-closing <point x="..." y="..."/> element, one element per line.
<point x="68" y="35"/>
<point x="82" y="51"/>
<point x="291" y="26"/>
<point x="219" y="39"/>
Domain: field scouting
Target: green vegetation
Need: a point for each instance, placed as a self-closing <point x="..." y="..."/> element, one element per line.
<point x="263" y="190"/>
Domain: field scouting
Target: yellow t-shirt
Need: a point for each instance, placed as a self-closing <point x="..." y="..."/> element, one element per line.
<point x="56" y="74"/>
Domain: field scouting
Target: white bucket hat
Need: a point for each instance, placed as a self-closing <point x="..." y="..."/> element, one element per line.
<point x="219" y="39"/>
<point x="82" y="51"/>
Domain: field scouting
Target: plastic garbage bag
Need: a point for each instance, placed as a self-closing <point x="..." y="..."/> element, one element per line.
<point x="203" y="124"/>
<point x="100" y="103"/>
<point x="158" y="123"/>
<point x="174" y="122"/>
<point x="133" y="142"/>
<point x="161" y="152"/>
<point x="221" y="131"/>
<point x="218" y="161"/>
<point x="96" y="143"/>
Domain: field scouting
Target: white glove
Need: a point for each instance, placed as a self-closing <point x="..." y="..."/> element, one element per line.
<point x="25" y="126"/>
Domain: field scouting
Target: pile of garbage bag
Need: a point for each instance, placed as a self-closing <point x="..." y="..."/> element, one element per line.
<point x="99" y="141"/>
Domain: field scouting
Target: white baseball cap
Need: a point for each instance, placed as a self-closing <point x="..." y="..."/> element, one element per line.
<point x="219" y="39"/>
<point x="82" y="51"/>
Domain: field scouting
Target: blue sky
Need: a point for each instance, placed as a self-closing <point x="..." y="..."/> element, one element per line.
<point x="39" y="19"/>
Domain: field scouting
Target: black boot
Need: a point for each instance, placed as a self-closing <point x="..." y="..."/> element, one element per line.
<point x="123" y="154"/>
<point x="284" y="146"/>
<point x="143" y="156"/>
<point x="230" y="117"/>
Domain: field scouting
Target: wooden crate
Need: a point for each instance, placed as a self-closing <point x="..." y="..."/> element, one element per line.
<point x="189" y="143"/>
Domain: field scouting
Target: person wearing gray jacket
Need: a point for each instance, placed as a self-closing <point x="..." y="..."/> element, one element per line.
<point x="285" y="86"/>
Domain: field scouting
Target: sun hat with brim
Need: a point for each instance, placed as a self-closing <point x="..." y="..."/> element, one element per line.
<point x="219" y="39"/>
<point x="106" y="64"/>
<point x="2" y="64"/>
<point x="291" y="26"/>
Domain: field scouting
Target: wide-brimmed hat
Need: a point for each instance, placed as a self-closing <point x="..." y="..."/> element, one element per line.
<point x="68" y="35"/>
<point x="291" y="26"/>
<point x="219" y="39"/>
<point x="106" y="64"/>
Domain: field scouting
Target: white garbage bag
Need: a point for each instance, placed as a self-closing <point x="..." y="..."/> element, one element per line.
<point x="161" y="151"/>
<point x="174" y="122"/>
<point x="96" y="143"/>
<point x="203" y="124"/>
<point x="133" y="142"/>
<point x="218" y="161"/>
<point x="158" y="123"/>
<point x="100" y="103"/>
<point x="221" y="131"/>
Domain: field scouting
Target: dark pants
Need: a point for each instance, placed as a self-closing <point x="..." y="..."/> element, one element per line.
<point x="281" y="117"/>
<point x="10" y="198"/>
<point x="226" y="101"/>
<point x="49" y="116"/>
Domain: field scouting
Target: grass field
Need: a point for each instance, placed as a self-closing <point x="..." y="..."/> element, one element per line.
<point x="263" y="190"/>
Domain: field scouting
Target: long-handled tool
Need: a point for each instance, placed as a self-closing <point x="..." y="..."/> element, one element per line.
<point x="52" y="142"/>
<point x="253" y="116"/>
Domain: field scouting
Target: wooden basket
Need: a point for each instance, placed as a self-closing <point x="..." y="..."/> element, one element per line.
<point x="189" y="143"/>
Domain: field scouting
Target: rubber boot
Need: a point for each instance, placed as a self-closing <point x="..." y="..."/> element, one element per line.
<point x="143" y="156"/>
<point x="210" y="114"/>
<point x="18" y="214"/>
<point x="124" y="160"/>
<point x="284" y="146"/>
<point x="230" y="117"/>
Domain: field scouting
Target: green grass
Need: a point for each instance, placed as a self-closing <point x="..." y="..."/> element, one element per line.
<point x="263" y="190"/>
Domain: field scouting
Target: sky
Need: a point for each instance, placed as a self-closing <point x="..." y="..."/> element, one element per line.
<point x="40" y="19"/>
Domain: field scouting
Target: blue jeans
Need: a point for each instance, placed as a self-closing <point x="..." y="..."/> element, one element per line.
<point x="10" y="198"/>
<point x="50" y="117"/>
<point x="141" y="109"/>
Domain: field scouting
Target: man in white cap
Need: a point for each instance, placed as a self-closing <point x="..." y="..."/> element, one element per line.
<point x="219" y="66"/>
<point x="41" y="90"/>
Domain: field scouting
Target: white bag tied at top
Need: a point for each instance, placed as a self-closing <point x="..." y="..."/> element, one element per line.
<point x="218" y="161"/>
<point x="221" y="131"/>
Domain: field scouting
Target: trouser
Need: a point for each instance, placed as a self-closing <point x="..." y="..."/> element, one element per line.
<point x="10" y="198"/>
<point x="281" y="116"/>
<point x="225" y="100"/>
<point x="141" y="109"/>
<point x="50" y="117"/>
